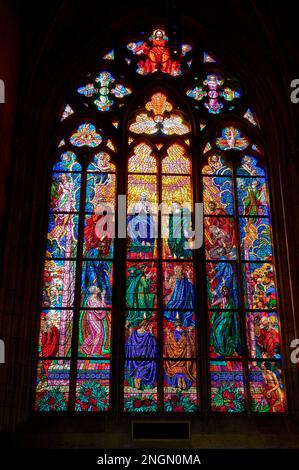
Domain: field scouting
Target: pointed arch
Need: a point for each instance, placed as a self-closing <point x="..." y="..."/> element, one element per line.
<point x="178" y="132"/>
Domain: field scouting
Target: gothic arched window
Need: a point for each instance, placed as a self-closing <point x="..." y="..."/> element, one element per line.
<point x="132" y="307"/>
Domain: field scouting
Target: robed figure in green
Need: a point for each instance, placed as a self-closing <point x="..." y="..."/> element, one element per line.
<point x="138" y="295"/>
<point x="179" y="232"/>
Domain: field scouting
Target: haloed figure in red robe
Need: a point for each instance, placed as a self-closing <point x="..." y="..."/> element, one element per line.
<point x="49" y="341"/>
<point x="157" y="55"/>
<point x="267" y="338"/>
<point x="97" y="232"/>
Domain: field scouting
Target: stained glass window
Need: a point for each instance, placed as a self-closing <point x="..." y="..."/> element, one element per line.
<point x="134" y="317"/>
<point x="244" y="331"/>
<point x="76" y="319"/>
<point x="160" y="290"/>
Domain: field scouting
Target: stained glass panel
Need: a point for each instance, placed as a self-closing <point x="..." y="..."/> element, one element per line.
<point x="174" y="125"/>
<point x="216" y="165"/>
<point x="208" y="147"/>
<point x="143" y="160"/>
<point x="92" y="386"/>
<point x="225" y="334"/>
<point x="65" y="192"/>
<point x="266" y="387"/>
<point x="100" y="192"/>
<point x="145" y="124"/>
<point x="220" y="239"/>
<point x="141" y="347"/>
<point x="252" y="196"/>
<point x="249" y="167"/>
<point x="62" y="235"/>
<point x="255" y="235"/>
<point x="218" y="195"/>
<point x="222" y="289"/>
<point x="95" y="331"/>
<point x="86" y="135"/>
<point x="55" y="333"/>
<point x="67" y="162"/>
<point x="250" y="116"/>
<point x="98" y="236"/>
<point x="52" y="389"/>
<point x="180" y="386"/>
<point x="212" y="91"/>
<point x="156" y="120"/>
<point x="177" y="233"/>
<point x="101" y="163"/>
<point x="178" y="288"/>
<point x="141" y="285"/>
<point x="68" y="111"/>
<point x="97" y="279"/>
<point x="142" y="194"/>
<point x="259" y="286"/>
<point x="142" y="231"/>
<point x="140" y="324"/>
<point x="140" y="388"/>
<point x="263" y="338"/>
<point x="103" y="91"/>
<point x="59" y="283"/>
<point x="176" y="161"/>
<point x="156" y="55"/>
<point x="177" y="189"/>
<point x="227" y="387"/>
<point x="232" y="138"/>
<point x="179" y="339"/>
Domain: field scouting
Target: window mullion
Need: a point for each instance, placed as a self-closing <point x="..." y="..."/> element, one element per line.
<point x="242" y="312"/>
<point x="77" y="297"/>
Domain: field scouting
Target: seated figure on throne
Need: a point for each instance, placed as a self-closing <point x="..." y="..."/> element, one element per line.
<point x="156" y="55"/>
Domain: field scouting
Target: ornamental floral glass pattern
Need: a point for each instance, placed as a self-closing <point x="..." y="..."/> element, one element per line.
<point x="104" y="89"/>
<point x="174" y="311"/>
<point x="159" y="118"/>
<point x="86" y="135"/>
<point x="213" y="90"/>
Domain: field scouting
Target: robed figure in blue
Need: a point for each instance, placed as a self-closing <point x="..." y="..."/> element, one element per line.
<point x="141" y="227"/>
<point x="181" y="301"/>
<point x="141" y="350"/>
<point x="96" y="273"/>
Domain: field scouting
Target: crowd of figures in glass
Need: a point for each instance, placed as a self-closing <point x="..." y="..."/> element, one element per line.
<point x="160" y="290"/>
<point x="241" y="285"/>
<point x="169" y="165"/>
<point x="75" y="211"/>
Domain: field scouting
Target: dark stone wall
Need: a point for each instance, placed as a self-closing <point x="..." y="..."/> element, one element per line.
<point x="9" y="64"/>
